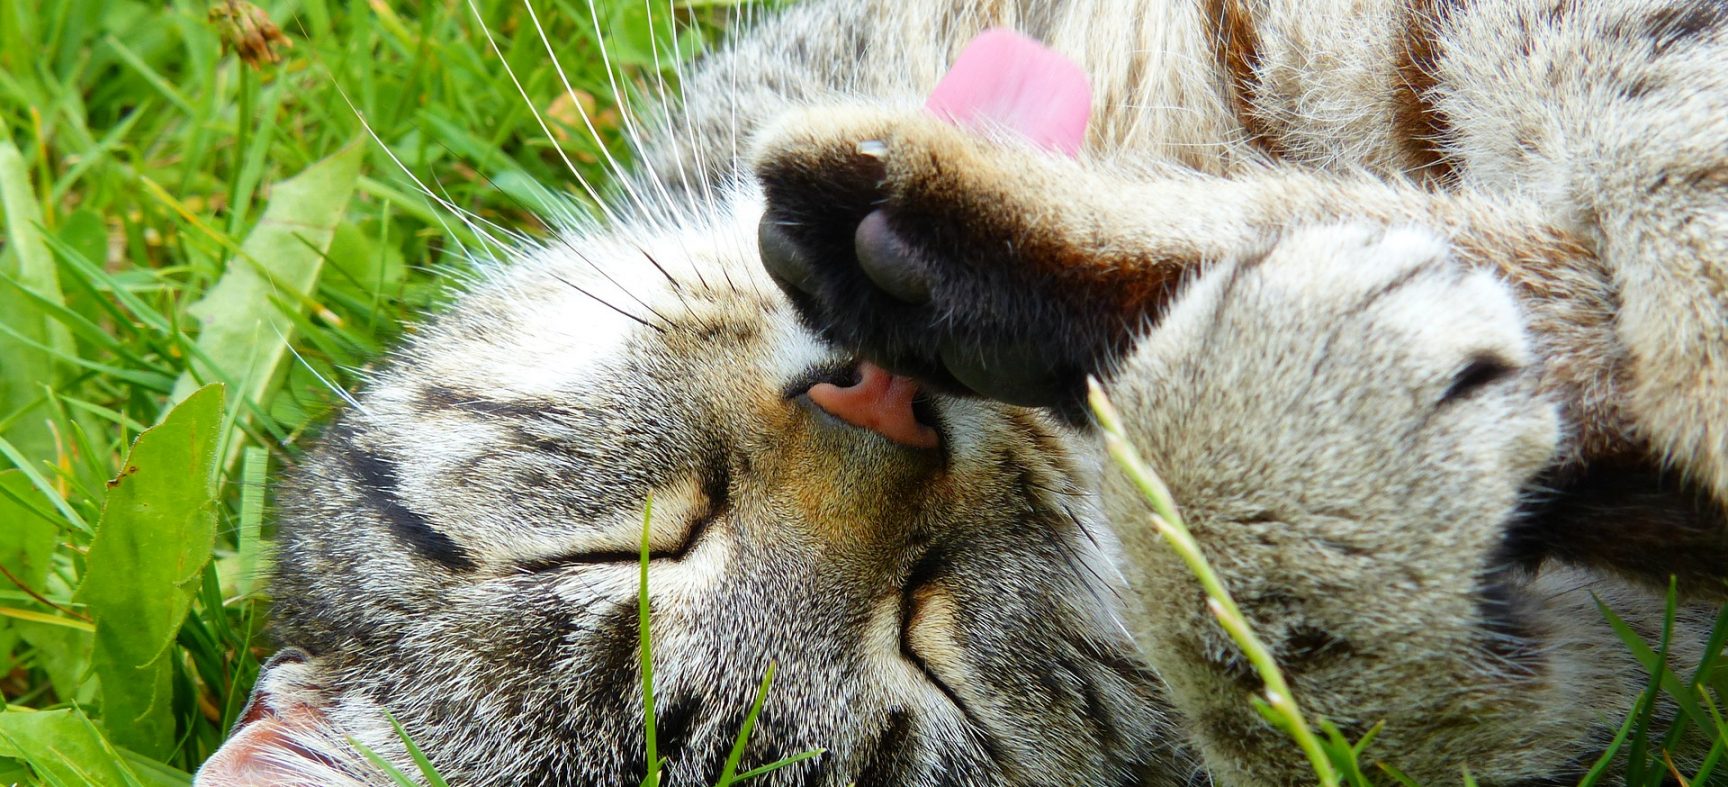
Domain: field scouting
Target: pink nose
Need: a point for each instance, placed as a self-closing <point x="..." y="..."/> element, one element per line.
<point x="880" y="402"/>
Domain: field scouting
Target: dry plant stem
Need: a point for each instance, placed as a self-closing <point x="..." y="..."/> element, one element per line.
<point x="1281" y="703"/>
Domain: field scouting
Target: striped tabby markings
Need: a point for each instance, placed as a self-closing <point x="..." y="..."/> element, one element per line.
<point x="1420" y="127"/>
<point x="1236" y="45"/>
<point x="379" y="486"/>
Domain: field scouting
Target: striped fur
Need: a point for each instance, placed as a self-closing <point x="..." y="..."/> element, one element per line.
<point x="1392" y="290"/>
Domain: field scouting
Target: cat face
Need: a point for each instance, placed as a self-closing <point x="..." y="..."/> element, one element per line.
<point x="463" y="550"/>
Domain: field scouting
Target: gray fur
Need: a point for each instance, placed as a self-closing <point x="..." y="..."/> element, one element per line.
<point x="461" y="550"/>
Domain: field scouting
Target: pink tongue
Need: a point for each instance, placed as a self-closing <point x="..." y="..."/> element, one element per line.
<point x="1007" y="80"/>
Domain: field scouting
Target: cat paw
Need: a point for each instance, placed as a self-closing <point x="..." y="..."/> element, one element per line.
<point x="963" y="261"/>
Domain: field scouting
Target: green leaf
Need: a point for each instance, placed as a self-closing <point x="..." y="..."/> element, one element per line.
<point x="83" y="230"/>
<point x="41" y="482"/>
<point x="157" y="529"/>
<point x="242" y="337"/>
<point x="364" y="267"/>
<point x="27" y="541"/>
<point x="63" y="653"/>
<point x="12" y="771"/>
<point x="26" y="366"/>
<point x="62" y="747"/>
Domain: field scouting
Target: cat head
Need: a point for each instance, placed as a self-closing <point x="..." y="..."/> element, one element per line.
<point x="463" y="550"/>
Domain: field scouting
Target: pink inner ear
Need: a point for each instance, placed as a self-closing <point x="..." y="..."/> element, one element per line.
<point x="1007" y="79"/>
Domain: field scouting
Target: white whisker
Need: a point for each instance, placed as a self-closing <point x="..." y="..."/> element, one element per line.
<point x="608" y="304"/>
<point x="619" y="174"/>
<point x="627" y="114"/>
<point x="322" y="380"/>
<point x="534" y="110"/>
<point x="460" y="213"/>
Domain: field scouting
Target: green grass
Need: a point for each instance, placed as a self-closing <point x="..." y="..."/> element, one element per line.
<point x="173" y="219"/>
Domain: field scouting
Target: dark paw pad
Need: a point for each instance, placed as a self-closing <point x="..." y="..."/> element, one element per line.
<point x="906" y="264"/>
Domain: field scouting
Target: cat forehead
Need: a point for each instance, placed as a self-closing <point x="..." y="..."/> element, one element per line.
<point x="590" y="303"/>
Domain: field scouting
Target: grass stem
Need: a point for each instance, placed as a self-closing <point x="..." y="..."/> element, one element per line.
<point x="1281" y="705"/>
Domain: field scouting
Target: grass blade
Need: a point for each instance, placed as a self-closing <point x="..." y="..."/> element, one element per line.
<point x="239" y="340"/>
<point x="425" y="765"/>
<point x="249" y="533"/>
<point x="396" y="775"/>
<point x="781" y="763"/>
<point x="29" y="360"/>
<point x="729" y="774"/>
<point x="1279" y="703"/>
<point x="647" y="651"/>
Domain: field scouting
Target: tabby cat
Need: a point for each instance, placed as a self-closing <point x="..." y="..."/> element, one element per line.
<point x="1420" y="307"/>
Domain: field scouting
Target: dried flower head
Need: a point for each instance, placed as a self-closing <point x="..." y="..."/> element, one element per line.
<point x="247" y="30"/>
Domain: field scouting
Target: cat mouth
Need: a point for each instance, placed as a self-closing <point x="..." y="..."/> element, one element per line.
<point x="866" y="396"/>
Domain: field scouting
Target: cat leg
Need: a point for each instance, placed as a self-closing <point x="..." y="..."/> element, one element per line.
<point x="1395" y="391"/>
<point x="1351" y="422"/>
<point x="1663" y="211"/>
<point x="986" y="267"/>
<point x="1612" y="117"/>
<point x="1013" y="273"/>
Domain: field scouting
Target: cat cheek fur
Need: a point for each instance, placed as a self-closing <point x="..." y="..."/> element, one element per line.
<point x="483" y="588"/>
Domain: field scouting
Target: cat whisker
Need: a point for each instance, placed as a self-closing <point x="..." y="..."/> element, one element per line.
<point x="700" y="154"/>
<point x="620" y="176"/>
<point x="461" y="214"/>
<point x="667" y="109"/>
<point x="1107" y="606"/>
<point x="568" y="244"/>
<point x="539" y="117"/>
<point x="608" y="304"/>
<point x="340" y="392"/>
<point x="677" y="286"/>
<point x="664" y="106"/>
<point x="677" y="289"/>
<point x="468" y="218"/>
<point x="627" y="113"/>
<point x="519" y="236"/>
<point x="748" y="13"/>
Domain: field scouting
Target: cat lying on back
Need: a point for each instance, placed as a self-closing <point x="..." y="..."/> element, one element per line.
<point x="1421" y="310"/>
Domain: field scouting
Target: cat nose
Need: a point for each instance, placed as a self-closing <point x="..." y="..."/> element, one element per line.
<point x="879" y="401"/>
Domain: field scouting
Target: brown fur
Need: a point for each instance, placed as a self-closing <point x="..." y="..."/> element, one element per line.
<point x="1422" y="127"/>
<point x="1236" y="44"/>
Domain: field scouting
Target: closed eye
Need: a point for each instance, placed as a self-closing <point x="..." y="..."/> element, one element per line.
<point x="921" y="583"/>
<point x="716" y="490"/>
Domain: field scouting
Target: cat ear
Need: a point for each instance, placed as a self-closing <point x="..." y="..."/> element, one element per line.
<point x="275" y="740"/>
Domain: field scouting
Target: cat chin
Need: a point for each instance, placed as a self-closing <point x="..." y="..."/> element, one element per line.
<point x="284" y="736"/>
